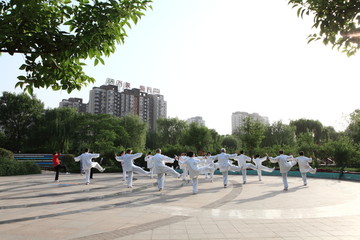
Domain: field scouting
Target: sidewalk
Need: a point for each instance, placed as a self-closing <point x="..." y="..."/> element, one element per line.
<point x="34" y="207"/>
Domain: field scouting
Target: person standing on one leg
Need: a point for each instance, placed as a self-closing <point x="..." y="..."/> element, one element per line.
<point x="194" y="171"/>
<point x="181" y="160"/>
<point x="259" y="167"/>
<point x="121" y="161"/>
<point x="57" y="165"/>
<point x="242" y="160"/>
<point x="304" y="166"/>
<point x="224" y="164"/>
<point x="149" y="164"/>
<point x="160" y="168"/>
<point x="130" y="167"/>
<point x="285" y="163"/>
<point x="87" y="164"/>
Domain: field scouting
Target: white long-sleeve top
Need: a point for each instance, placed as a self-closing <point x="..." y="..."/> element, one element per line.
<point x="303" y="162"/>
<point x="149" y="161"/>
<point x="258" y="162"/>
<point x="284" y="161"/>
<point x="128" y="160"/>
<point x="86" y="158"/>
<point x="242" y="159"/>
<point x="181" y="161"/>
<point x="192" y="166"/>
<point x="223" y="161"/>
<point x="159" y="161"/>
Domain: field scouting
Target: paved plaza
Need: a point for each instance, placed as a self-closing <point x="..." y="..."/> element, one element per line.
<point x="34" y="207"/>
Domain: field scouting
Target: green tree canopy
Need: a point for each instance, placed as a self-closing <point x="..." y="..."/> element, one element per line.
<point x="55" y="36"/>
<point x="337" y="22"/>
<point x="353" y="130"/>
<point x="251" y="134"/>
<point x="17" y="113"/>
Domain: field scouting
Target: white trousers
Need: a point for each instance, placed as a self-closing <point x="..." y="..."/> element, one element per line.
<point x="284" y="179"/>
<point x="195" y="184"/>
<point x="161" y="176"/>
<point x="87" y="171"/>
<point x="131" y="174"/>
<point x="303" y="175"/>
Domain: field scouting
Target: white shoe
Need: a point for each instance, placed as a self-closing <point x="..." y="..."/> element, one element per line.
<point x="103" y="170"/>
<point x="87" y="183"/>
<point x="67" y="173"/>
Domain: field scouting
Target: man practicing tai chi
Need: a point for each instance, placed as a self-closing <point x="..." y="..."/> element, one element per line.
<point x="304" y="166"/>
<point x="242" y="160"/>
<point x="286" y="163"/>
<point x="121" y="161"/>
<point x="225" y="165"/>
<point x="87" y="164"/>
<point x="149" y="164"/>
<point x="259" y="167"/>
<point x="129" y="167"/>
<point x="194" y="171"/>
<point x="160" y="168"/>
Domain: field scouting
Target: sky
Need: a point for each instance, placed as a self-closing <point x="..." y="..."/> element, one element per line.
<point x="211" y="58"/>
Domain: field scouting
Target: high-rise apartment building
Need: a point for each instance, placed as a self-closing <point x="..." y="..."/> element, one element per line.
<point x="76" y="103"/>
<point x="237" y="119"/>
<point x="198" y="120"/>
<point x="105" y="99"/>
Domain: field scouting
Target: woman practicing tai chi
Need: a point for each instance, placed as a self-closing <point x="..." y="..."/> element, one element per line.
<point x="242" y="160"/>
<point x="181" y="160"/>
<point x="194" y="171"/>
<point x="304" y="166"/>
<point x="87" y="164"/>
<point x="285" y="163"/>
<point x="225" y="165"/>
<point x="129" y="167"/>
<point x="160" y="168"/>
<point x="259" y="167"/>
<point x="57" y="165"/>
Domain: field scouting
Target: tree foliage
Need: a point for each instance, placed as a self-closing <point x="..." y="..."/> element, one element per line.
<point x="18" y="112"/>
<point x="56" y="36"/>
<point x="251" y="134"/>
<point x="337" y="22"/>
<point x="353" y="130"/>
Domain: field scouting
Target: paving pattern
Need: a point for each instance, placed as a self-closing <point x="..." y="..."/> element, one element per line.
<point x="34" y="207"/>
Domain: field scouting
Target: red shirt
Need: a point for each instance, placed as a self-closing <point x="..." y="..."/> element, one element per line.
<point x="55" y="159"/>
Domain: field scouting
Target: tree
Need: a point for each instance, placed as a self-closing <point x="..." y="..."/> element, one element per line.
<point x="17" y="114"/>
<point x="306" y="125"/>
<point x="279" y="134"/>
<point x="55" y="36"/>
<point x="230" y="143"/>
<point x="251" y="134"/>
<point x="353" y="130"/>
<point x="170" y="131"/>
<point x="198" y="137"/>
<point x="337" y="21"/>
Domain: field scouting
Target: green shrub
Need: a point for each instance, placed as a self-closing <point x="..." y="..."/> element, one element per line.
<point x="6" y="153"/>
<point x="10" y="167"/>
<point x="69" y="162"/>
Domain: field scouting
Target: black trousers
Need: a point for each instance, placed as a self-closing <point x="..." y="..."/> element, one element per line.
<point x="57" y="169"/>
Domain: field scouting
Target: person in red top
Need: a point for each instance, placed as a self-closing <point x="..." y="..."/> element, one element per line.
<point x="57" y="165"/>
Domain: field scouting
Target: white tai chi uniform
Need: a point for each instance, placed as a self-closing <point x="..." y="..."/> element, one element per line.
<point x="183" y="166"/>
<point x="225" y="165"/>
<point x="87" y="164"/>
<point x="285" y="163"/>
<point x="260" y="167"/>
<point x="129" y="167"/>
<point x="210" y="162"/>
<point x="195" y="171"/>
<point x="160" y="169"/>
<point x="121" y="161"/>
<point x="305" y="167"/>
<point x="242" y="162"/>
<point x="150" y="164"/>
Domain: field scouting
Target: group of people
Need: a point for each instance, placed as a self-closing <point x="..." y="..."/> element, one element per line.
<point x="194" y="166"/>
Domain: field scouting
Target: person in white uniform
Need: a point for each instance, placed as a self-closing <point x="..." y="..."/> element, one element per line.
<point x="87" y="164"/>
<point x="259" y="167"/>
<point x="119" y="159"/>
<point x="225" y="165"/>
<point x="160" y="168"/>
<point x="285" y="163"/>
<point x="242" y="160"/>
<point x="181" y="160"/>
<point x="129" y="167"/>
<point x="194" y="169"/>
<point x="149" y="164"/>
<point x="210" y="162"/>
<point x="304" y="166"/>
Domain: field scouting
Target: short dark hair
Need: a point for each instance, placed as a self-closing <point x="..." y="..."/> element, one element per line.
<point x="301" y="153"/>
<point x="281" y="151"/>
<point x="128" y="151"/>
<point x="241" y="152"/>
<point x="190" y="154"/>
